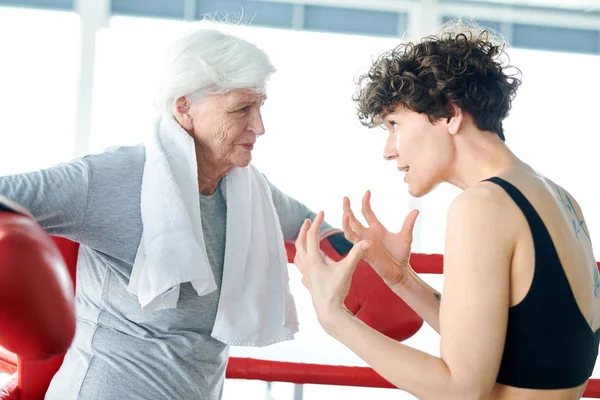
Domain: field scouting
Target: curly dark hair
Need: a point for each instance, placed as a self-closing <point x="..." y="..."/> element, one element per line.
<point x="457" y="66"/>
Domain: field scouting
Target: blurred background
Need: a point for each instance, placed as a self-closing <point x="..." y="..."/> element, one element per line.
<point x="78" y="77"/>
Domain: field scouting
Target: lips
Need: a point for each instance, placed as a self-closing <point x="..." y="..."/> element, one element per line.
<point x="404" y="168"/>
<point x="248" y="146"/>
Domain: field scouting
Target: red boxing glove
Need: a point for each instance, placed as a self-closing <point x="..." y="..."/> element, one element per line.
<point x="369" y="298"/>
<point x="379" y="307"/>
<point x="37" y="318"/>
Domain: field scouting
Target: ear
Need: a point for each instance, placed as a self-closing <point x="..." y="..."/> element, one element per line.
<point x="183" y="114"/>
<point x="454" y="123"/>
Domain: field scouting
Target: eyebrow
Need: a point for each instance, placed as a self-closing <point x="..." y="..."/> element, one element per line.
<point x="387" y="119"/>
<point x="248" y="101"/>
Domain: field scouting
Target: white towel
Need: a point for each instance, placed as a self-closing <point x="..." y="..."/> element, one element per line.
<point x="255" y="306"/>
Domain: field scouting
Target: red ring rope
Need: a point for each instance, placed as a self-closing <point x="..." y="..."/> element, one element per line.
<point x="276" y="371"/>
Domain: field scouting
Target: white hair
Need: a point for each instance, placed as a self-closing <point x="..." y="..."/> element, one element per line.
<point x="208" y="61"/>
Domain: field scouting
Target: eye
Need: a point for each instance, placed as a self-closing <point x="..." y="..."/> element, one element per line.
<point x="244" y="109"/>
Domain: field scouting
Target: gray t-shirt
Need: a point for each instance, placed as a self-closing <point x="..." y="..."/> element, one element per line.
<point x="120" y="351"/>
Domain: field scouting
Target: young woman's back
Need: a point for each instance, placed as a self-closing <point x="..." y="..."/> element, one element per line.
<point x="554" y="291"/>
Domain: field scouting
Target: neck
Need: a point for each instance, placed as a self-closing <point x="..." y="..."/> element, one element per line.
<point x="210" y="171"/>
<point x="481" y="156"/>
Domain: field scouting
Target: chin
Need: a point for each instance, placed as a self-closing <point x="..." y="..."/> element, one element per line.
<point x="420" y="190"/>
<point x="242" y="162"/>
<point x="415" y="192"/>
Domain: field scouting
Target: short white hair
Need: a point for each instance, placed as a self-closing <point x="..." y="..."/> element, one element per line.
<point x="208" y="61"/>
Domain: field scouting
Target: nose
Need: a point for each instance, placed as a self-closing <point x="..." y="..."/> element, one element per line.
<point x="255" y="124"/>
<point x="390" y="151"/>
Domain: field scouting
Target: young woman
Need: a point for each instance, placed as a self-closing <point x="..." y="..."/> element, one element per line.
<point x="520" y="310"/>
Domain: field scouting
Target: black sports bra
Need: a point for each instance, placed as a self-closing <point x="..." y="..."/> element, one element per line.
<point x="549" y="343"/>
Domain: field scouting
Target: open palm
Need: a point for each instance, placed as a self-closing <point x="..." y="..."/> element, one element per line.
<point x="389" y="253"/>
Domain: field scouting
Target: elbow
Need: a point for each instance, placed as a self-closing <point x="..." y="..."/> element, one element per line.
<point x="457" y="393"/>
<point x="469" y="391"/>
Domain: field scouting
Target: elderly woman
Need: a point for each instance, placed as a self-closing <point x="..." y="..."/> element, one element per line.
<point x="181" y="238"/>
<point x="520" y="312"/>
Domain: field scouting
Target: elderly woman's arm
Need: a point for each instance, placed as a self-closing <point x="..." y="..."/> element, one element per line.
<point x="56" y="197"/>
<point x="292" y="214"/>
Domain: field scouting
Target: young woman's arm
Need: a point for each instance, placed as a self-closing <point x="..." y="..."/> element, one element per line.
<point x="473" y="313"/>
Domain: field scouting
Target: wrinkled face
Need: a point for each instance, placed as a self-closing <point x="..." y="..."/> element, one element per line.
<point x="422" y="150"/>
<point x="225" y="126"/>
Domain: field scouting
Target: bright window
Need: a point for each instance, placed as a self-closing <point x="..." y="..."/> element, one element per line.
<point x="38" y="81"/>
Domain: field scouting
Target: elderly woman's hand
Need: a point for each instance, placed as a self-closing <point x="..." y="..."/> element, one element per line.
<point x="328" y="282"/>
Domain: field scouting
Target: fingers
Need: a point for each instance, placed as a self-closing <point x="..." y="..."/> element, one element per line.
<point x="354" y="223"/>
<point x="307" y="244"/>
<point x="367" y="212"/>
<point x="409" y="224"/>
<point x="350" y="235"/>
<point x="301" y="240"/>
<point x="312" y="237"/>
<point x="357" y="252"/>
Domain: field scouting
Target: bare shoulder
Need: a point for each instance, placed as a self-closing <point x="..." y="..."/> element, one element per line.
<point x="565" y="197"/>
<point x="572" y="209"/>
<point x="484" y="200"/>
<point x="484" y="217"/>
